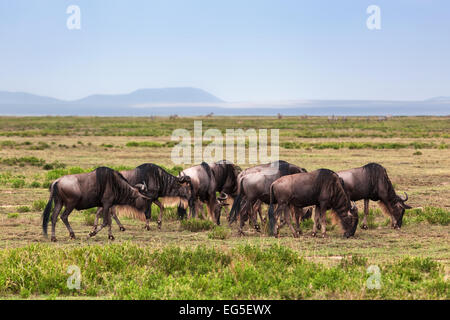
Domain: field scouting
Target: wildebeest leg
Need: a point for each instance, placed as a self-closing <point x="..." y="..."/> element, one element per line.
<point x="65" y="219"/>
<point x="148" y="217"/>
<point x="109" y="221"/>
<point x="263" y="219"/>
<point x="198" y="209"/>
<point x="366" y="214"/>
<point x="316" y="220"/>
<point x="254" y="216"/>
<point x="58" y="206"/>
<point x="114" y="215"/>
<point x="243" y="214"/>
<point x="161" y="211"/>
<point x="288" y="218"/>
<point x="106" y="214"/>
<point x="323" y="216"/>
<point x="280" y="208"/>
<point x="211" y="207"/>
<point x="298" y="213"/>
<point x="97" y="216"/>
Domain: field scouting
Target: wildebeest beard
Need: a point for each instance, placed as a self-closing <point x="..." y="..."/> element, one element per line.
<point x="119" y="186"/>
<point x="330" y="181"/>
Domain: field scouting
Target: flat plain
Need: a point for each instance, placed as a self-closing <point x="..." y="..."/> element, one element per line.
<point x="175" y="262"/>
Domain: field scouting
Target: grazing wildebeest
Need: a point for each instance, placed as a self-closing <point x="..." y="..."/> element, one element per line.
<point x="322" y="188"/>
<point x="254" y="186"/>
<point x="103" y="187"/>
<point x="371" y="182"/>
<point x="156" y="182"/>
<point x="207" y="179"/>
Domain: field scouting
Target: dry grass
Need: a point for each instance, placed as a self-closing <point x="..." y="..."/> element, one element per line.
<point x="425" y="177"/>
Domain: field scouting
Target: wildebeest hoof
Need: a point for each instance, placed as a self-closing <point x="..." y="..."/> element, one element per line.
<point x="324" y="235"/>
<point x="72" y="235"/>
<point x="364" y="226"/>
<point x="314" y="234"/>
<point x="53" y="239"/>
<point x="111" y="237"/>
<point x="122" y="229"/>
<point x="147" y="228"/>
<point x="159" y="224"/>
<point x="92" y="233"/>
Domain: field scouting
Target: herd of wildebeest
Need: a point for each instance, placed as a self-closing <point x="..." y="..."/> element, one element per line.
<point x="290" y="192"/>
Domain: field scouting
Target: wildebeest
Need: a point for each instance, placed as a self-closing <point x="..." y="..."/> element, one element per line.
<point x="207" y="179"/>
<point x="156" y="182"/>
<point x="103" y="187"/>
<point x="371" y="182"/>
<point x="322" y="188"/>
<point x="254" y="185"/>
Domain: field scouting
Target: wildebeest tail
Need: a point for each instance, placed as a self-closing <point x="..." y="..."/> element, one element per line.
<point x="48" y="207"/>
<point x="236" y="207"/>
<point x="271" y="213"/>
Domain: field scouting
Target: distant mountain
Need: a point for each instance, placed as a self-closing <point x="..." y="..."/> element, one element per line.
<point x="143" y="96"/>
<point x="195" y="102"/>
<point x="25" y="98"/>
<point x="439" y="99"/>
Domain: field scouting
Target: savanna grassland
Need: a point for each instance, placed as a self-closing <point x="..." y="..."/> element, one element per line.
<point x="195" y="259"/>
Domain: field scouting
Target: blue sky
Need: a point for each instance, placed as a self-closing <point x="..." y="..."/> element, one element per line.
<point x="239" y="50"/>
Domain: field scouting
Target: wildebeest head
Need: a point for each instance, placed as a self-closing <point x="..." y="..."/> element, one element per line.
<point x="221" y="202"/>
<point x="398" y="210"/>
<point x="346" y="211"/>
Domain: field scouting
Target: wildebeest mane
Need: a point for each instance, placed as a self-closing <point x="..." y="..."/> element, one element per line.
<point x="224" y="171"/>
<point x="376" y="174"/>
<point x="154" y="175"/>
<point x="333" y="185"/>
<point x="207" y="169"/>
<point x="116" y="181"/>
<point x="283" y="167"/>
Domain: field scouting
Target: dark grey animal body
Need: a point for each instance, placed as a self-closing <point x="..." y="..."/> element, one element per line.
<point x="371" y="182"/>
<point x="207" y="179"/>
<point x="321" y="188"/>
<point x="254" y="188"/>
<point x="102" y="187"/>
<point x="156" y="182"/>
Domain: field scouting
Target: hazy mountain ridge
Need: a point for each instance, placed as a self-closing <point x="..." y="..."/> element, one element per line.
<point x="194" y="102"/>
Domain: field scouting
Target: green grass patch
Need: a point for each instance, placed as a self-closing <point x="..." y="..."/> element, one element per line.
<point x="432" y="215"/>
<point x="22" y="209"/>
<point x="39" y="205"/>
<point x="196" y="225"/>
<point x="219" y="233"/>
<point x="130" y="271"/>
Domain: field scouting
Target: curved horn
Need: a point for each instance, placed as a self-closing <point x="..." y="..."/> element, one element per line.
<point x="140" y="186"/>
<point x="223" y="196"/>
<point x="405" y="198"/>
